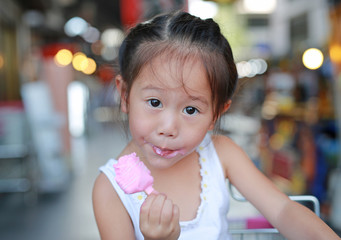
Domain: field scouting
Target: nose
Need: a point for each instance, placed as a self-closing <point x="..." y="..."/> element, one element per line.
<point x="168" y="125"/>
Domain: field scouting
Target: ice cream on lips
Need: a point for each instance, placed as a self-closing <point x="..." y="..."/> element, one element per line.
<point x="132" y="175"/>
<point x="166" y="153"/>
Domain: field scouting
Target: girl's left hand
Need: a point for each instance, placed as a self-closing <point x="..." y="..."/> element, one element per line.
<point x="159" y="218"/>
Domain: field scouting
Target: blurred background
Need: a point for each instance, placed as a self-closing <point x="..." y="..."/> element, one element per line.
<point x="59" y="116"/>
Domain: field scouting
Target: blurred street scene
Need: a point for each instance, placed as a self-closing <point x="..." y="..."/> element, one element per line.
<point x="60" y="118"/>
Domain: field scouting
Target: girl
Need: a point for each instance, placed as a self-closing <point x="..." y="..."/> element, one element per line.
<point x="177" y="77"/>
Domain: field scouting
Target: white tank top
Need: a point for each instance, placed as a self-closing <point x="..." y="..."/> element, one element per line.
<point x="211" y="219"/>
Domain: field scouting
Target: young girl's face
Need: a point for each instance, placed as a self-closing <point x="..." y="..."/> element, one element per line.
<point x="170" y="110"/>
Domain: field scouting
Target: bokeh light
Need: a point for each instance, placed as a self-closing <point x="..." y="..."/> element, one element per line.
<point x="63" y="57"/>
<point x="80" y="61"/>
<point x="260" y="6"/>
<point x="91" y="67"/>
<point x="2" y="61"/>
<point x="202" y="9"/>
<point x="109" y="53"/>
<point x="312" y="58"/>
<point x="112" y="37"/>
<point x="335" y="53"/>
<point x="75" y="26"/>
<point x="251" y="68"/>
<point x="33" y="18"/>
<point x="91" y="34"/>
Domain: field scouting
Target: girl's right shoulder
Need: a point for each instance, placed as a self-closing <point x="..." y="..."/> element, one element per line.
<point x="112" y="218"/>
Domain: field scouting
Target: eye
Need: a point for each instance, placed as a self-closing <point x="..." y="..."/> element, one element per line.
<point x="155" y="103"/>
<point x="190" y="110"/>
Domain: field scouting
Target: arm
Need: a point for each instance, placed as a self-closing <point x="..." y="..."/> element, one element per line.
<point x="112" y="219"/>
<point x="293" y="220"/>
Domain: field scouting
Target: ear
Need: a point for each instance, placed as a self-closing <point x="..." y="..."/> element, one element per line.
<point x="122" y="90"/>
<point x="226" y="106"/>
<point x="211" y="127"/>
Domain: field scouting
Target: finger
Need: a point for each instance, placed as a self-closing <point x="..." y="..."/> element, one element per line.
<point x="145" y="208"/>
<point x="176" y="214"/>
<point x="175" y="223"/>
<point x="156" y="209"/>
<point x="167" y="212"/>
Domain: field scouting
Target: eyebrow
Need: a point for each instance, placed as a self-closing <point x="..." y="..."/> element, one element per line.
<point x="200" y="99"/>
<point x="193" y="98"/>
<point x="151" y="87"/>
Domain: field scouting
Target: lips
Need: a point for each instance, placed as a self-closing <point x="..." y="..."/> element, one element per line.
<point x="166" y="153"/>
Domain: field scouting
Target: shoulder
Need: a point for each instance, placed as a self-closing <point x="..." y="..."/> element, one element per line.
<point x="230" y="154"/>
<point x="245" y="176"/>
<point x="232" y="157"/>
<point x="103" y="189"/>
<point x="110" y="213"/>
<point x="222" y="142"/>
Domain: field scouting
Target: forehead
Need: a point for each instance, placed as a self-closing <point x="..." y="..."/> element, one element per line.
<point x="172" y="72"/>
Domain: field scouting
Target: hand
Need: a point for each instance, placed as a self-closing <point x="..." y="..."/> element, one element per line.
<point x="159" y="218"/>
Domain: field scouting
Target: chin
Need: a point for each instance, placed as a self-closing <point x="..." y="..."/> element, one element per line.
<point x="161" y="163"/>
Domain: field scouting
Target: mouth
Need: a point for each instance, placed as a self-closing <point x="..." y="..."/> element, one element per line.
<point x="166" y="153"/>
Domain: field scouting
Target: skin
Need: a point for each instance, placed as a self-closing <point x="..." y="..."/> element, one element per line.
<point x="168" y="117"/>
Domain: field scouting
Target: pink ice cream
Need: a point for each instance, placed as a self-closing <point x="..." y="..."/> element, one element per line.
<point x="132" y="175"/>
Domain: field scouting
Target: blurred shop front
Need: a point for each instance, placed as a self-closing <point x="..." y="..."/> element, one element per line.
<point x="56" y="83"/>
<point x="335" y="56"/>
<point x="56" y="86"/>
<point x="287" y="118"/>
<point x="34" y="139"/>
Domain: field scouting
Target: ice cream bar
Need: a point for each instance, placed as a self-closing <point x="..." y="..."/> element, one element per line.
<point x="132" y="175"/>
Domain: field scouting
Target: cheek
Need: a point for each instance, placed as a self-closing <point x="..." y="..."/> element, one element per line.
<point x="136" y="127"/>
<point x="195" y="137"/>
<point x="138" y="123"/>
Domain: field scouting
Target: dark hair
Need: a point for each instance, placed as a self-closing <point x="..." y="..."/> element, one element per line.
<point x="181" y="35"/>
